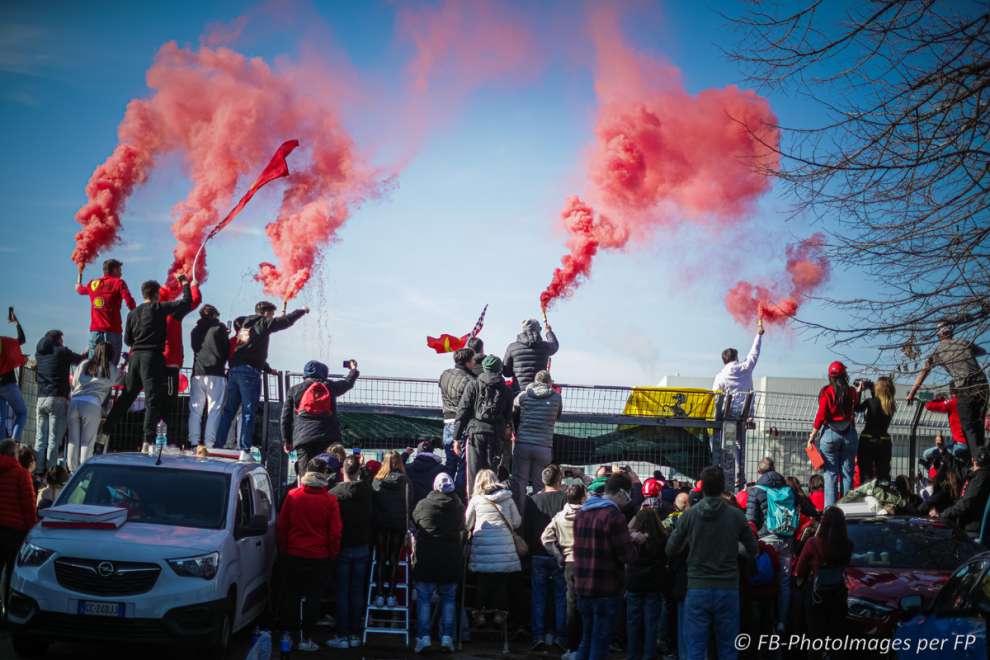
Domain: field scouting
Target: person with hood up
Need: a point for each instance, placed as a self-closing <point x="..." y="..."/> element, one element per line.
<point x="439" y="523"/>
<point x="392" y="502"/>
<point x="309" y="529"/>
<point x="710" y="531"/>
<point x="52" y="410"/>
<point x="309" y="419"/>
<point x="17" y="512"/>
<point x="773" y="511"/>
<point x="91" y="385"/>
<point x="528" y="354"/>
<point x="210" y="345"/>
<point x="354" y="496"/>
<point x="12" y="359"/>
<point x="558" y="540"/>
<point x="736" y="380"/>
<point x="646" y="577"/>
<point x="452" y="384"/>
<point x="422" y="467"/>
<point x="490" y="518"/>
<point x="538" y="409"/>
<point x="485" y="409"/>
<point x="247" y="362"/>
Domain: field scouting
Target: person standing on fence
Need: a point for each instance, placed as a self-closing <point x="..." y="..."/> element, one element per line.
<point x="528" y="354"/>
<point x="247" y="363"/>
<point x="91" y="385"/>
<point x="210" y="345"/>
<point x="309" y="419"/>
<point x="452" y="384"/>
<point x="354" y="496"/>
<point x="736" y="380"/>
<point x="839" y="443"/>
<point x="174" y="356"/>
<point x="54" y="363"/>
<point x="11" y="360"/>
<point x="875" y="446"/>
<point x="537" y="410"/>
<point x="547" y="574"/>
<point x="105" y="295"/>
<point x="145" y="334"/>
<point x="485" y="409"/>
<point x="711" y="531"/>
<point x="969" y="383"/>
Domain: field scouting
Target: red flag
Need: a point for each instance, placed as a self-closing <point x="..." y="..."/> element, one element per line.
<point x="447" y="343"/>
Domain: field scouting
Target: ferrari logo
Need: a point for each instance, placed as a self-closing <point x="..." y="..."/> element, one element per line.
<point x="98" y="302"/>
<point x="94" y="285"/>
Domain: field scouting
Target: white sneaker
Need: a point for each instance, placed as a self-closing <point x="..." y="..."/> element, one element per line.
<point x="145" y="448"/>
<point x="307" y="645"/>
<point x="379" y="601"/>
<point x="354" y="641"/>
<point x="338" y="643"/>
<point x="447" y="644"/>
<point x="392" y="602"/>
<point x="422" y="643"/>
<point x="246" y="456"/>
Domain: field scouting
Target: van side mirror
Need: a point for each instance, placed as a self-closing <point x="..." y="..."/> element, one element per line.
<point x="911" y="604"/>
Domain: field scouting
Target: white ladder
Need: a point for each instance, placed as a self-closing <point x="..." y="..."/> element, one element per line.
<point x="387" y="620"/>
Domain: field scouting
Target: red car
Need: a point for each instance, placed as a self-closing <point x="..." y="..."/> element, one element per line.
<point x="894" y="557"/>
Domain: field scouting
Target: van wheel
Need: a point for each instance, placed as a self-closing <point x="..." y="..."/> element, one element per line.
<point x="222" y="641"/>
<point x="29" y="647"/>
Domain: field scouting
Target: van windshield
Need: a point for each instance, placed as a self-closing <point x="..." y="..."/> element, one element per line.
<point x="181" y="498"/>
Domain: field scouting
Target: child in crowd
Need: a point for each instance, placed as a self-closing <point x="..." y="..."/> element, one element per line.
<point x="55" y="480"/>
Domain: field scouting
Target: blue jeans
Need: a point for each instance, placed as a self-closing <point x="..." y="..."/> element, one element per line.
<point x="957" y="449"/>
<point x="52" y="421"/>
<point x="352" y="586"/>
<point x="682" y="646"/>
<point x="114" y="339"/>
<point x="546" y="572"/>
<point x="839" y="450"/>
<point x="642" y="617"/>
<point x="453" y="464"/>
<point x="11" y="394"/>
<point x="733" y="464"/>
<point x="707" y="608"/>
<point x="597" y="617"/>
<point x="244" y="390"/>
<point x="447" y="604"/>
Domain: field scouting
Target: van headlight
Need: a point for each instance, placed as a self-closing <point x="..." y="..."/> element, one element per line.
<point x="202" y="566"/>
<point x="33" y="555"/>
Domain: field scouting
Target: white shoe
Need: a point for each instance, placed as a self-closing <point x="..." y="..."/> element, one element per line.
<point x="338" y="643"/>
<point x="422" y="644"/>
<point x="379" y="601"/>
<point x="392" y="602"/>
<point x="307" y="645"/>
<point x="354" y="641"/>
<point x="447" y="644"/>
<point x="246" y="457"/>
<point x="145" y="448"/>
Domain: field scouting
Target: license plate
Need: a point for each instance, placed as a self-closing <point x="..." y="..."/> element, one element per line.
<point x="94" y="608"/>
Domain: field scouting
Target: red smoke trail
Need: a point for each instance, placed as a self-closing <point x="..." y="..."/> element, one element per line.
<point x="808" y="267"/>
<point x="226" y="113"/>
<point x="663" y="156"/>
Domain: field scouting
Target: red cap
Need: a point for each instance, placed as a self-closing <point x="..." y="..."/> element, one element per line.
<point x="651" y="488"/>
<point x="836" y="369"/>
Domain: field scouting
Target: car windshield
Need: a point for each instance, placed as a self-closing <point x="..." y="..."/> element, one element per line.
<point x="155" y="495"/>
<point x="914" y="545"/>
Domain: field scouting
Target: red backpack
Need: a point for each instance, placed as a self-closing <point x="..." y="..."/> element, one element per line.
<point x="316" y="400"/>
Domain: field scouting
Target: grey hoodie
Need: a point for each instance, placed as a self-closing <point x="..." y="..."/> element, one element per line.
<point x="558" y="537"/>
<point x="92" y="387"/>
<point x="712" y="530"/>
<point x="539" y="408"/>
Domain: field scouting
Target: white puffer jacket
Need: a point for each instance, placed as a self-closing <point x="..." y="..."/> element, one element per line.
<point x="492" y="549"/>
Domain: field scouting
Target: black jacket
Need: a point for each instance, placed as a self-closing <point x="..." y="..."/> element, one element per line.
<point x="465" y="408"/>
<point x="145" y="328"/>
<point x="877" y="421"/>
<point x="254" y="352"/>
<point x="54" y="363"/>
<point x="539" y="511"/>
<point x="439" y="521"/>
<point x="210" y="344"/>
<point x="647" y="572"/>
<point x="968" y="511"/>
<point x="355" y="512"/>
<point x="422" y="470"/>
<point x="756" y="502"/>
<point x="393" y="501"/>
<point x="304" y="428"/>
<point x="452" y="384"/>
<point x="528" y="354"/>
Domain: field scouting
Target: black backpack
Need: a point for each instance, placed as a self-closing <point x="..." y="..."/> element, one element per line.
<point x="488" y="403"/>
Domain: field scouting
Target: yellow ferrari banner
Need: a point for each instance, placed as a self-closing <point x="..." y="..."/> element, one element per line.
<point x="671" y="402"/>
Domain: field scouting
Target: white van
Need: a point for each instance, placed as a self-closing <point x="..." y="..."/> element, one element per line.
<point x="192" y="563"/>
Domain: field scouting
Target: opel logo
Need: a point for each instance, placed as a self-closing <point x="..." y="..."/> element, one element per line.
<point x="105" y="569"/>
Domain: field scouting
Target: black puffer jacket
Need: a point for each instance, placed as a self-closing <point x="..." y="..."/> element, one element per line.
<point x="393" y="501"/>
<point x="54" y="363"/>
<point x="304" y="428"/>
<point x="355" y="512"/>
<point x="527" y="355"/>
<point x="439" y="520"/>
<point x="422" y="470"/>
<point x="465" y="409"/>
<point x="210" y="346"/>
<point x="452" y="384"/>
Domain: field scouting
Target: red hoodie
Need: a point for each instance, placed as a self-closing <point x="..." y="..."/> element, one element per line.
<point x="17" y="505"/>
<point x="950" y="408"/>
<point x="173" y="332"/>
<point x="309" y="524"/>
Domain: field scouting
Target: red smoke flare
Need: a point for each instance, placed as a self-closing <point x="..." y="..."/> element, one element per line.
<point x="226" y="112"/>
<point x="808" y="267"/>
<point x="663" y="156"/>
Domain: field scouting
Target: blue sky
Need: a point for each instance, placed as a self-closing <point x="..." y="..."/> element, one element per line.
<point x="472" y="220"/>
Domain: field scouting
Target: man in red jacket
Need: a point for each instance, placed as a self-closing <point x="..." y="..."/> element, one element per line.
<point x="309" y="531"/>
<point x="105" y="295"/>
<point x="17" y="505"/>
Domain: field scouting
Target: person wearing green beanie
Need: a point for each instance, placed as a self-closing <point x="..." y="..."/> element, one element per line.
<point x="492" y="364"/>
<point x="485" y="410"/>
<point x="597" y="486"/>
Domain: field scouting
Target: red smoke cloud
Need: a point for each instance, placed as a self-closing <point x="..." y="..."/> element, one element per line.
<point x="808" y="268"/>
<point x="226" y="113"/>
<point x="663" y="156"/>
